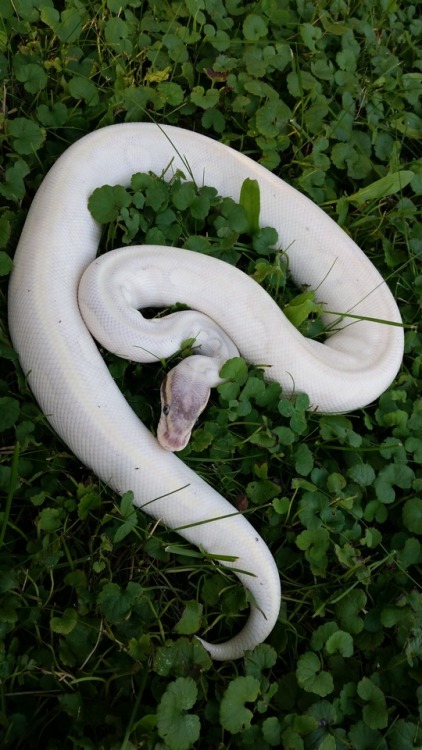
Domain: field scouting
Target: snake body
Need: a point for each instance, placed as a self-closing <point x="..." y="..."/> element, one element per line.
<point x="74" y="388"/>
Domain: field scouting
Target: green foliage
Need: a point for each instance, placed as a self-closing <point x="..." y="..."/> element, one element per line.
<point x="98" y="605"/>
<point x="234" y="716"/>
<point x="250" y="199"/>
<point x="311" y="678"/>
<point x="179" y="729"/>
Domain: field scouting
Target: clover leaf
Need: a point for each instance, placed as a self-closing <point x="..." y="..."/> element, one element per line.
<point x="234" y="716"/>
<point x="179" y="729"/>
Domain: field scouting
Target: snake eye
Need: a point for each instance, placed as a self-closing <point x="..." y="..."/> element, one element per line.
<point x="166" y="409"/>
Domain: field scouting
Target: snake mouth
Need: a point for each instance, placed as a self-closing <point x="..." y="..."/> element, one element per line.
<point x="172" y="441"/>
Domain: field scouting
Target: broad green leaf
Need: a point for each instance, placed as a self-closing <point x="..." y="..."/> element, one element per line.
<point x="301" y="307"/>
<point x="183" y="195"/>
<point x="263" y="438"/>
<point x="271" y="731"/>
<point x="8" y="609"/>
<point x="393" y="475"/>
<point x="218" y="38"/>
<point x="291" y="739"/>
<point x="285" y="435"/>
<point x="321" y="635"/>
<point x="126" y="505"/>
<point x="302" y="80"/>
<point x="157" y="195"/>
<point x="347" y="555"/>
<point x="375" y="510"/>
<point x="372" y="537"/>
<point x="116" y="33"/>
<point x="392" y="615"/>
<point x="262" y="491"/>
<point x="315" y="543"/>
<point x="234" y="716"/>
<point x="236" y="369"/>
<point x="263" y="242"/>
<point x="348" y="609"/>
<point x="324" y="712"/>
<point x="179" y="729"/>
<point x="389" y="185"/>
<point x="362" y="473"/>
<point x="328" y="743"/>
<point x="68" y="25"/>
<point x="83" y="88"/>
<point x="310" y="34"/>
<point x="414" y="445"/>
<point x="250" y="199"/>
<point x="128" y="513"/>
<point x="106" y="202"/>
<point x="64" y="624"/>
<point x="200" y="207"/>
<point x="354" y="155"/>
<point x="33" y="77"/>
<point x="89" y="503"/>
<point x="286" y="407"/>
<point x="262" y="657"/>
<point x="361" y="736"/>
<point x="412" y="515"/>
<point x="50" y="519"/>
<point x="375" y="711"/>
<point x="27" y="137"/>
<point x="304" y="460"/>
<point x="410" y="124"/>
<point x="13" y="187"/>
<point x="233" y="219"/>
<point x="135" y="101"/>
<point x="311" y="677"/>
<point x="272" y="118"/>
<point x="336" y="483"/>
<point x="298" y="422"/>
<point x="38" y="499"/>
<point x="203" y="437"/>
<point x="213" y="118"/>
<point x="191" y="619"/>
<point x="140" y="648"/>
<point x="341" y="643"/>
<point x="410" y="553"/>
<point x="158" y="76"/>
<point x="339" y="428"/>
<point x="71" y="703"/>
<point x="404" y="735"/>
<point x="116" y="603"/>
<point x="171" y="93"/>
<point x="116" y="6"/>
<point x="204" y="99"/>
<point x="9" y="412"/>
<point x="254" y="388"/>
<point x="281" y="505"/>
<point x="195" y="7"/>
<point x="180" y="656"/>
<point x="53" y="115"/>
<point x="346" y="60"/>
<point x="254" y="27"/>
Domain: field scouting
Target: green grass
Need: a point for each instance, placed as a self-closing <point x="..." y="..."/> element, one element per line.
<point x="99" y="604"/>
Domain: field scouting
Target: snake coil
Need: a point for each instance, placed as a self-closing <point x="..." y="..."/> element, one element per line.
<point x="75" y="390"/>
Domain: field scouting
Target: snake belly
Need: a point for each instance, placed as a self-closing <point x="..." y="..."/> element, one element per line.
<point x="71" y="382"/>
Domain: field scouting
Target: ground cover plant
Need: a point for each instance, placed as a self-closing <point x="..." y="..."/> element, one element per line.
<point x="98" y="604"/>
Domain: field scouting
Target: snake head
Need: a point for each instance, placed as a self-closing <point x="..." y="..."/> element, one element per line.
<point x="184" y="395"/>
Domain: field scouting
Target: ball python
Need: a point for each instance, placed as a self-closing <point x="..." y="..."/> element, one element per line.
<point x="72" y="384"/>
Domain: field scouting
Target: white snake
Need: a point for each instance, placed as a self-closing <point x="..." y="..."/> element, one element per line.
<point x="74" y="388"/>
